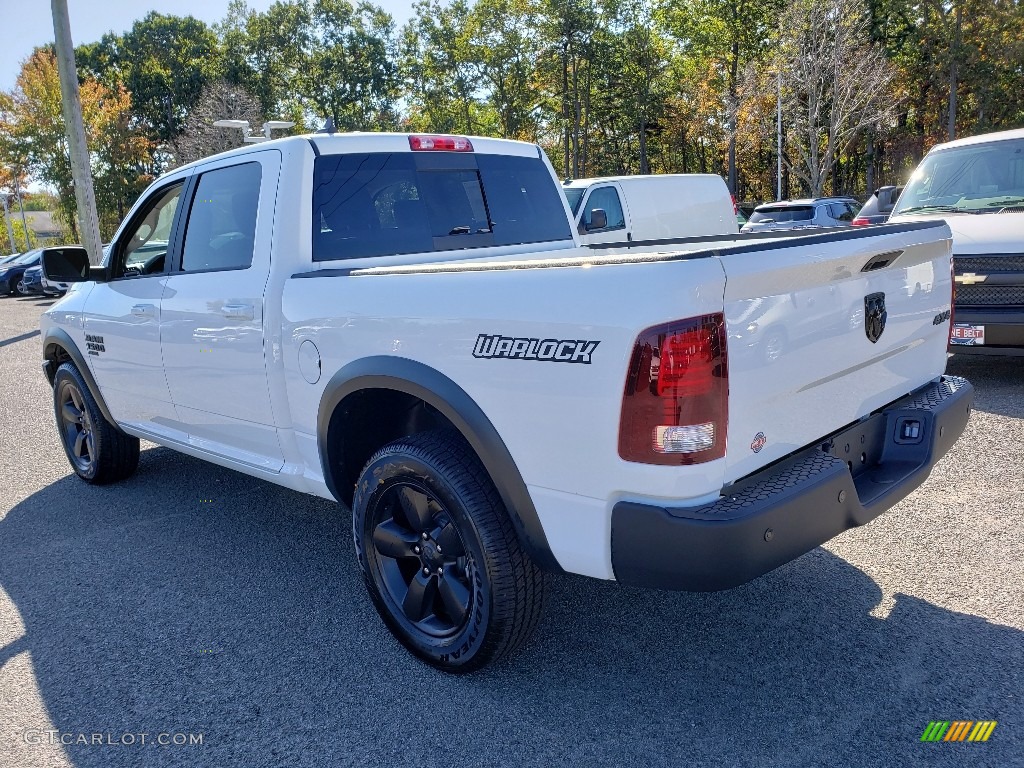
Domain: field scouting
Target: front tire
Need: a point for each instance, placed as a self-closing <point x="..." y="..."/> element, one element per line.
<point x="439" y="555"/>
<point x="99" y="452"/>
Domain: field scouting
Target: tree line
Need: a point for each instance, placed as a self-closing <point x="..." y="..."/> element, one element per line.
<point x="605" y="86"/>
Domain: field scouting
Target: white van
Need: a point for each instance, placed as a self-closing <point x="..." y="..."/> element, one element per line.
<point x="638" y="209"/>
<point x="977" y="185"/>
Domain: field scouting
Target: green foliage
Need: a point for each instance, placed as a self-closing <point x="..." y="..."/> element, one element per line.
<point x="19" y="234"/>
<point x="328" y="58"/>
<point x="164" y="62"/>
<point x="38" y="201"/>
<point x="604" y="86"/>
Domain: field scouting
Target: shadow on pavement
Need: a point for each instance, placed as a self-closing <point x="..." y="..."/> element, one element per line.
<point x="997" y="382"/>
<point x="16" y="339"/>
<point x="193" y="599"/>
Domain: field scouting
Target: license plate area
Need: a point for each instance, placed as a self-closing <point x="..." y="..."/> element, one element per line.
<point x="860" y="446"/>
<point x="967" y="335"/>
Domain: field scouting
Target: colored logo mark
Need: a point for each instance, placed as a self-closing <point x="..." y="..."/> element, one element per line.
<point x="958" y="730"/>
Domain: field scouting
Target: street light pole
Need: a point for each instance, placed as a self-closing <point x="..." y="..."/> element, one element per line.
<point x="72" y="108"/>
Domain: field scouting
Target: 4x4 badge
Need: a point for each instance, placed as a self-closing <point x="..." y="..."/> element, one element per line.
<point x="874" y="316"/>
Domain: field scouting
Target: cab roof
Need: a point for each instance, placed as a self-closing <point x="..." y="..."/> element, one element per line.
<point x="984" y="138"/>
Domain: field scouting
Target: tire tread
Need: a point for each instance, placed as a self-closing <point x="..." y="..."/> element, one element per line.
<point x="118" y="452"/>
<point x="517" y="584"/>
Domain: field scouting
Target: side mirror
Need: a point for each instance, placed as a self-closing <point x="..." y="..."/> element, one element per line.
<point x="69" y="265"/>
<point x="598" y="219"/>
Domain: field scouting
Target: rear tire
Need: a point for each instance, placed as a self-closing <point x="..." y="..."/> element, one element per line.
<point x="99" y="452"/>
<point x="440" y="558"/>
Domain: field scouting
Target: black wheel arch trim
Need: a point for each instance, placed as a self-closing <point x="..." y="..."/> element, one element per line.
<point x="58" y="337"/>
<point x="440" y="392"/>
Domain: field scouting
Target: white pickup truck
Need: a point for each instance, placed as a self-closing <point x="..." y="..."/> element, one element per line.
<point x="408" y="325"/>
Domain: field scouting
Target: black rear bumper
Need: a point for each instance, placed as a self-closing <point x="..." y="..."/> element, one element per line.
<point x="792" y="507"/>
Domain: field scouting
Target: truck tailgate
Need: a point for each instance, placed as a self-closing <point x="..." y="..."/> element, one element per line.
<point x="820" y="335"/>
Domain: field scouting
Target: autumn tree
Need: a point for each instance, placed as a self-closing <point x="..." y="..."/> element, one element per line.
<point x="835" y="84"/>
<point x="119" y="152"/>
<point x="568" y="65"/>
<point x="220" y="101"/>
<point x="728" y="35"/>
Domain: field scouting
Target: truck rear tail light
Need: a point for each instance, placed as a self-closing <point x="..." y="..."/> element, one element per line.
<point x="676" y="399"/>
<point x="860" y="221"/>
<point x="421" y="143"/>
<point x="952" y="300"/>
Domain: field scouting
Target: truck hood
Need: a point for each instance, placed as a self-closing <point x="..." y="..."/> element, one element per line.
<point x="980" y="233"/>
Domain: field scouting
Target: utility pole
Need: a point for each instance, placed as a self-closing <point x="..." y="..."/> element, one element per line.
<point x="71" y="106"/>
<point x="778" y="138"/>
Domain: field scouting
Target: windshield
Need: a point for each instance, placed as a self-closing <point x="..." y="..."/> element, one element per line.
<point x="978" y="178"/>
<point x="784" y="213"/>
<point x="574" y="195"/>
<point x="26" y="258"/>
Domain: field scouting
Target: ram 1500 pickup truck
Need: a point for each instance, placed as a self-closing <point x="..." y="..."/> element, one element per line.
<point x="408" y="325"/>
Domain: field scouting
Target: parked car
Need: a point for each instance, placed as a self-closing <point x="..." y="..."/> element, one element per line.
<point x="977" y="186"/>
<point x="878" y="207"/>
<point x="639" y="209"/>
<point x="11" y="272"/>
<point x="407" y="324"/>
<point x="802" y="214"/>
<point x="9" y="257"/>
<point x="31" y="281"/>
<point x="53" y="288"/>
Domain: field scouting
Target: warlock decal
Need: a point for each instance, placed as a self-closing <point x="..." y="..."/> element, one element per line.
<point x="550" y="350"/>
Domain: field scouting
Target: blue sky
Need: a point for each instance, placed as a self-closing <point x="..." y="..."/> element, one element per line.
<point x="25" y="24"/>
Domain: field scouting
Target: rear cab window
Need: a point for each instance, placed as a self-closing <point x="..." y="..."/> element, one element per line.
<point x="391" y="203"/>
<point x="783" y="213"/>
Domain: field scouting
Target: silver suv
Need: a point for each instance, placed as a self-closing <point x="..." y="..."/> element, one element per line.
<point x="800" y="214"/>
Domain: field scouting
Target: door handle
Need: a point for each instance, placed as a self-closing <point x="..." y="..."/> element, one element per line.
<point x="238" y="311"/>
<point x="144" y="310"/>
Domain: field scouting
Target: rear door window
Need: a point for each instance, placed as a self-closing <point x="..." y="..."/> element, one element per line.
<point x="382" y="204"/>
<point x="221" y="229"/>
<point x="842" y="211"/>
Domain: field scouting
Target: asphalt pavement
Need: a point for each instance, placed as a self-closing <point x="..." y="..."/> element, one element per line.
<point x="194" y="604"/>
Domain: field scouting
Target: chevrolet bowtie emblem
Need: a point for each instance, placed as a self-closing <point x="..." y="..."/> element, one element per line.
<point x="970" y="278"/>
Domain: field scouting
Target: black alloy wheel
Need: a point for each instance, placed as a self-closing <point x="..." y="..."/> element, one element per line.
<point x="99" y="452"/>
<point x="76" y="428"/>
<point x="420" y="558"/>
<point x="440" y="557"/>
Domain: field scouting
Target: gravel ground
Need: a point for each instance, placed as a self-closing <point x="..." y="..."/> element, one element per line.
<point x="191" y="600"/>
